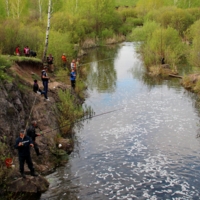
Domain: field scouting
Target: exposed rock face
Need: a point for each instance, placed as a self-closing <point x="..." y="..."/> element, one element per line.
<point x="29" y="184"/>
<point x="19" y="105"/>
<point x="14" y="107"/>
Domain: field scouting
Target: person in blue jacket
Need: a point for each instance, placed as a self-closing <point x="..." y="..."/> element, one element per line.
<point x="23" y="144"/>
<point x="73" y="78"/>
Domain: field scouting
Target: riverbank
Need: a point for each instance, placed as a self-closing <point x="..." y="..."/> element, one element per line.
<point x="19" y="106"/>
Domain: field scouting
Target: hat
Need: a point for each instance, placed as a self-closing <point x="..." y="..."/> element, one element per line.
<point x="22" y="131"/>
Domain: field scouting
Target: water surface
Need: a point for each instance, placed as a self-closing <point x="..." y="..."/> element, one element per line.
<point x="146" y="148"/>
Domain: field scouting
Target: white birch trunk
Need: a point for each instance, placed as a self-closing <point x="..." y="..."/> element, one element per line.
<point x="16" y="8"/>
<point x="40" y="8"/>
<point x="47" y="32"/>
<point x="7" y="8"/>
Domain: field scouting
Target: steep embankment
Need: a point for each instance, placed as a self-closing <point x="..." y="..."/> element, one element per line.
<point x="19" y="105"/>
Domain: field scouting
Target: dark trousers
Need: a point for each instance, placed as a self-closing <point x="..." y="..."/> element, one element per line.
<point x="73" y="83"/>
<point x="28" y="160"/>
<point x="36" y="148"/>
<point x="45" y="84"/>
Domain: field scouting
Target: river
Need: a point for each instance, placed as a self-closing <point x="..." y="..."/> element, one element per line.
<point x="142" y="144"/>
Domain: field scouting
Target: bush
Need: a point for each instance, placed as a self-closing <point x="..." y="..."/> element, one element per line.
<point x="69" y="110"/>
<point x="107" y="33"/>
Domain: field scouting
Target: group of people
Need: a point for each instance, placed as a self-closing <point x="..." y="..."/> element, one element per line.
<point x="27" y="137"/>
<point x="27" y="52"/>
<point x="23" y="143"/>
<point x="73" y="67"/>
<point x="45" y="80"/>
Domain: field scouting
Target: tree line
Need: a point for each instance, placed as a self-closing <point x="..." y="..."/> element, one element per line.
<point x="166" y="27"/>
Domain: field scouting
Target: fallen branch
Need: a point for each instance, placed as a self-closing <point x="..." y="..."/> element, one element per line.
<point x="175" y="76"/>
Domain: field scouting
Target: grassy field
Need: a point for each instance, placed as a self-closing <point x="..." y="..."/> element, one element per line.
<point x="125" y="2"/>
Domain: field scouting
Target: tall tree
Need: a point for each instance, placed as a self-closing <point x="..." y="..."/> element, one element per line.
<point x="47" y="31"/>
<point x="7" y="8"/>
<point x="40" y="8"/>
<point x="16" y="8"/>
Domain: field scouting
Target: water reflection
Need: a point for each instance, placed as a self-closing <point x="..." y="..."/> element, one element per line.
<point x="146" y="150"/>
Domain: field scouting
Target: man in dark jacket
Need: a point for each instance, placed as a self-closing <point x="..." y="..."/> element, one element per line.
<point x="45" y="81"/>
<point x="32" y="134"/>
<point x="23" y="144"/>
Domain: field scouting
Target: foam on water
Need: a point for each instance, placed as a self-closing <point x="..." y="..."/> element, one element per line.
<point x="146" y="150"/>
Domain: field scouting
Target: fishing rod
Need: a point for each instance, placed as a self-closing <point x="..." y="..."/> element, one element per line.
<point x="95" y="61"/>
<point x="84" y="119"/>
<point x="88" y="63"/>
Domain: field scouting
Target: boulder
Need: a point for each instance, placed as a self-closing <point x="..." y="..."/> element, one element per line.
<point x="29" y="184"/>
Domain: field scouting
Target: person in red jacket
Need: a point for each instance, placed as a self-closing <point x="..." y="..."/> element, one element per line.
<point x="17" y="51"/>
<point x="64" y="60"/>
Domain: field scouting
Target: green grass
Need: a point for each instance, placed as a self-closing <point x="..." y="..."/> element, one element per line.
<point x="23" y="58"/>
<point x="125" y="2"/>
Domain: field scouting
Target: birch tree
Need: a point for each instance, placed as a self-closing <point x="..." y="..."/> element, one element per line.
<point x="16" y="8"/>
<point x="40" y="3"/>
<point x="47" y="30"/>
<point x="7" y="8"/>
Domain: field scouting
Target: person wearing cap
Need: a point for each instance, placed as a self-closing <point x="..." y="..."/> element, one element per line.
<point x="73" y="78"/>
<point x="31" y="132"/>
<point x="23" y="144"/>
<point x="64" y="60"/>
<point x="45" y="81"/>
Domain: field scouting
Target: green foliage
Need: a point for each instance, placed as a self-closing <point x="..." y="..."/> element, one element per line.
<point x="192" y="36"/>
<point x="4" y="64"/>
<point x="194" y="54"/>
<point x="197" y="86"/>
<point x="127" y="12"/>
<point x="143" y="6"/>
<point x="80" y="87"/>
<point x="176" y="18"/>
<point x="106" y="33"/>
<point x="142" y="33"/>
<point x="125" y="2"/>
<point x="14" y="33"/>
<point x="188" y="3"/>
<point x="63" y="76"/>
<point x="69" y="110"/>
<point x="59" y="44"/>
<point x="4" y="152"/>
<point x="163" y="43"/>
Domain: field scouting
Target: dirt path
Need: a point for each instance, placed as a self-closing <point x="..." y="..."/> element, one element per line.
<point x="28" y="71"/>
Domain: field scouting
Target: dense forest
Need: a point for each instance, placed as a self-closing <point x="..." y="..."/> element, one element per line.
<point x="167" y="28"/>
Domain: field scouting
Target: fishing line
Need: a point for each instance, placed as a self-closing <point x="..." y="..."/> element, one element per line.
<point x="96" y="61"/>
<point x="87" y="64"/>
<point x="104" y="113"/>
<point x="30" y="114"/>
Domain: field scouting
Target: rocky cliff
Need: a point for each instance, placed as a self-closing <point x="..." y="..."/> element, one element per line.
<point x="19" y="105"/>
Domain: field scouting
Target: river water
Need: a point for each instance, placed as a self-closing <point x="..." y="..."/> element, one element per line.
<point x="142" y="144"/>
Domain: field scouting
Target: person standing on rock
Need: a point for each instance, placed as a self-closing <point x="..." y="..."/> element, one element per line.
<point x="23" y="144"/>
<point x="45" y="81"/>
<point x="31" y="132"/>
